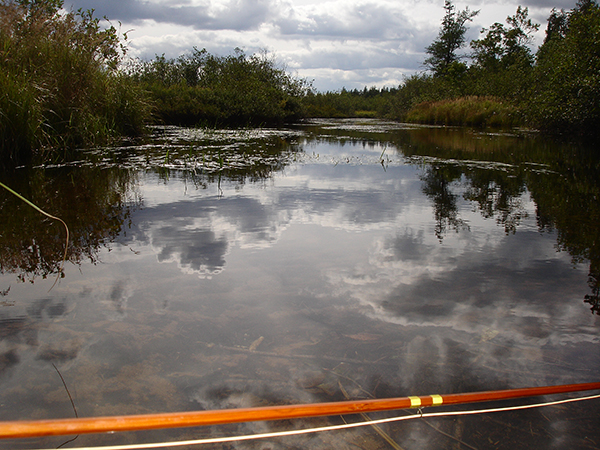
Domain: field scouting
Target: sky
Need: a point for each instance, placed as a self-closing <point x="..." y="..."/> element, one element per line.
<point x="332" y="43"/>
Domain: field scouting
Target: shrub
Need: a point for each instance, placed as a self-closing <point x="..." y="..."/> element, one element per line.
<point x="60" y="82"/>
<point x="566" y="95"/>
<point x="230" y="90"/>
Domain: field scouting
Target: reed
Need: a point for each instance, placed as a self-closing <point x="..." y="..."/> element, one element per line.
<point x="469" y="110"/>
<point x="60" y="82"/>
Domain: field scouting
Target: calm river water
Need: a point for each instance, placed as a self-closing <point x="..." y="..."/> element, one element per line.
<point x="341" y="259"/>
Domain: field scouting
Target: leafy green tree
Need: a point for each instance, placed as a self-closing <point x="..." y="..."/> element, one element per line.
<point x="502" y="46"/>
<point x="558" y="25"/>
<point x="450" y="39"/>
<point x="566" y="94"/>
<point x="502" y="58"/>
<point x="60" y="82"/>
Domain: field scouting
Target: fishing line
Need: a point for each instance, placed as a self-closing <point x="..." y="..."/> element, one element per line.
<point x="418" y="415"/>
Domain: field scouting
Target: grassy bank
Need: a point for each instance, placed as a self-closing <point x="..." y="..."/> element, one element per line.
<point x="59" y="83"/>
<point x="63" y="84"/>
<point x="555" y="89"/>
<point x="470" y="111"/>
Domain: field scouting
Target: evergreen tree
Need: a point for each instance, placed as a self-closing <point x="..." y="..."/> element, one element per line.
<point x="451" y="38"/>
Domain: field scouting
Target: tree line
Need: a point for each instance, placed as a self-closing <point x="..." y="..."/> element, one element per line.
<point x="556" y="88"/>
<point x="64" y="82"/>
<point x="500" y="81"/>
<point x="235" y="90"/>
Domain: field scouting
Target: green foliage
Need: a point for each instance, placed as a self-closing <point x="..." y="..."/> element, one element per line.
<point x="450" y="39"/>
<point x="420" y="88"/>
<point x="503" y="61"/>
<point x="470" y="111"/>
<point x="557" y="89"/>
<point x="59" y="82"/>
<point x="230" y="90"/>
<point x="364" y="103"/>
<point x="503" y="47"/>
<point x="558" y="25"/>
<point x="566" y="96"/>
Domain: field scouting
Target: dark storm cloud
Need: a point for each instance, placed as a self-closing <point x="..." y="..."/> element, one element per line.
<point x="235" y="15"/>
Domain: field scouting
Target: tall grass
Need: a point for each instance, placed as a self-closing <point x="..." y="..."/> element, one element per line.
<point x="470" y="111"/>
<point x="60" y="86"/>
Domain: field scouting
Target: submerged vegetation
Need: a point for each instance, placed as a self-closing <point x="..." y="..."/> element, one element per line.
<point x="64" y="81"/>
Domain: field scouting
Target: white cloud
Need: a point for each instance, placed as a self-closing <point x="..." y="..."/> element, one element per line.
<point x="338" y="43"/>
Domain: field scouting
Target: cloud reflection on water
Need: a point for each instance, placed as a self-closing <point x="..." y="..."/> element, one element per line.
<point x="480" y="283"/>
<point x="336" y="271"/>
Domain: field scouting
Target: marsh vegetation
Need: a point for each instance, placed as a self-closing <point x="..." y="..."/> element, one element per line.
<point x="204" y="89"/>
<point x="500" y="80"/>
<point x="60" y="83"/>
<point x="66" y="81"/>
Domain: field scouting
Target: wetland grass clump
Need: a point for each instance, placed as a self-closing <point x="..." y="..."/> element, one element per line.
<point x="555" y="89"/>
<point x="471" y="111"/>
<point x="60" y="84"/>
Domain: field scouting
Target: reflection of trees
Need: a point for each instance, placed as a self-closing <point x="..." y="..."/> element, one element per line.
<point x="96" y="198"/>
<point x="436" y="185"/>
<point x="594" y="299"/>
<point x="94" y="203"/>
<point x="566" y="191"/>
<point x="569" y="204"/>
<point x="497" y="194"/>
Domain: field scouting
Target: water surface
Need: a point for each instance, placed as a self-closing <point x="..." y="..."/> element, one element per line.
<point x="337" y="259"/>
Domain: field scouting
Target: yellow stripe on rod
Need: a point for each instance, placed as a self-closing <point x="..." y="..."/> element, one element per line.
<point x="437" y="399"/>
<point x="55" y="427"/>
<point x="415" y="402"/>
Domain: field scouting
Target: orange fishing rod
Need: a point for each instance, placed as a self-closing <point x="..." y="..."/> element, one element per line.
<point x="37" y="428"/>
